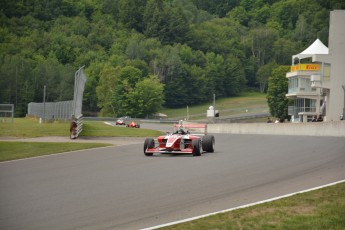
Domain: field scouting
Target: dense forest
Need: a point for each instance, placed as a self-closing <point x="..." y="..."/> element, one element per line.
<point x="143" y="54"/>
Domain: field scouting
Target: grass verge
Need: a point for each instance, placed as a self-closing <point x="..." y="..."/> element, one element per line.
<point x="19" y="150"/>
<point x="30" y="127"/>
<point x="99" y="129"/>
<point x="320" y="209"/>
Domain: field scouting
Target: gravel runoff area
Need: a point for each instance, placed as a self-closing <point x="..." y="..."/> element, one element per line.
<point x="111" y="140"/>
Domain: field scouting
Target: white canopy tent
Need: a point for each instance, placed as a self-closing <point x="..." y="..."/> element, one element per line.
<point x="316" y="48"/>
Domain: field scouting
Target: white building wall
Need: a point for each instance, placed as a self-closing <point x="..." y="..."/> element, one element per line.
<point x="337" y="56"/>
<point x="335" y="128"/>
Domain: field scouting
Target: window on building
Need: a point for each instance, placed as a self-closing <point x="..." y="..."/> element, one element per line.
<point x="305" y="105"/>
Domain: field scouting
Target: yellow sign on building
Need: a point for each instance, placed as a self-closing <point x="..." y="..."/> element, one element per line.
<point x="309" y="67"/>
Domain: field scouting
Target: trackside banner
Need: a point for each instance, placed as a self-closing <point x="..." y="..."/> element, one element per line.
<point x="309" y="67"/>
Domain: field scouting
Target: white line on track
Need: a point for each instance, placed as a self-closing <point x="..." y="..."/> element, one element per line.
<point x="55" y="154"/>
<point x="243" y="206"/>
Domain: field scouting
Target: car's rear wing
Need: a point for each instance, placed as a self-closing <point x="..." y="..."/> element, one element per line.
<point x="193" y="127"/>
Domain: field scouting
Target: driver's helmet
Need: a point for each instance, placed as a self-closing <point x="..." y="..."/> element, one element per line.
<point x="180" y="127"/>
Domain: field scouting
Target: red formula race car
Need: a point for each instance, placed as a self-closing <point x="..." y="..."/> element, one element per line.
<point x="120" y="122"/>
<point x="133" y="125"/>
<point x="181" y="142"/>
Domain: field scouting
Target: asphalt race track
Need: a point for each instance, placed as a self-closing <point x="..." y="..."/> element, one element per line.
<point x="120" y="188"/>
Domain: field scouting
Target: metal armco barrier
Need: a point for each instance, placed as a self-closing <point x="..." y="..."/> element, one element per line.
<point x="79" y="124"/>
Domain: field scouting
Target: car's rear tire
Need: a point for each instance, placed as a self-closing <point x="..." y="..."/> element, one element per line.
<point x="149" y="143"/>
<point x="208" y="143"/>
<point x="196" y="144"/>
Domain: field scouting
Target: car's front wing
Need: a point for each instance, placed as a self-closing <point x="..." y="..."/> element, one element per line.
<point x="168" y="151"/>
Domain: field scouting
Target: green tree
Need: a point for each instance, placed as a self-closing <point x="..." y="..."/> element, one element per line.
<point x="277" y="89"/>
<point x="106" y="89"/>
<point x="154" y="19"/>
<point x="128" y="77"/>
<point x="263" y="74"/>
<point x="166" y="64"/>
<point x="102" y="31"/>
<point x="250" y="68"/>
<point x="191" y="12"/>
<point x="286" y="13"/>
<point x="16" y="86"/>
<point x="166" y="23"/>
<point x="130" y="13"/>
<point x="221" y="36"/>
<point x="178" y="26"/>
<point x="47" y="73"/>
<point x="65" y="86"/>
<point x="214" y="72"/>
<point x="90" y="99"/>
<point x="217" y="7"/>
<point x="135" y="50"/>
<point x="240" y="15"/>
<point x="146" y="98"/>
<point x="262" y="14"/>
<point x="283" y="50"/>
<point x="260" y="41"/>
<point x="177" y="93"/>
<point x="234" y="78"/>
<point x="200" y="87"/>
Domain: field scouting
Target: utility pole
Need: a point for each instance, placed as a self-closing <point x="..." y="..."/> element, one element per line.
<point x="344" y="102"/>
<point x="44" y="103"/>
<point x="187" y="113"/>
<point x="214" y="108"/>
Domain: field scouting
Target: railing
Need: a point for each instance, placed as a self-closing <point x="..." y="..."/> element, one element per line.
<point x="6" y="109"/>
<point x="300" y="85"/>
<point x="61" y="110"/>
<point x="293" y="110"/>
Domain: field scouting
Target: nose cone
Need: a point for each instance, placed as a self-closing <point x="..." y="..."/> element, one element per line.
<point x="171" y="141"/>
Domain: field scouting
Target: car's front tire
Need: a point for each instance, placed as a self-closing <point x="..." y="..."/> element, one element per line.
<point x="149" y="143"/>
<point x="208" y="143"/>
<point x="196" y="144"/>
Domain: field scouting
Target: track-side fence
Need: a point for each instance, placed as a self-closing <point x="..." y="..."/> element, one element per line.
<point x="63" y="110"/>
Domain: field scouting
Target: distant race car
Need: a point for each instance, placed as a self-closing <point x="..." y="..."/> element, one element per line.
<point x="133" y="125"/>
<point x="120" y="122"/>
<point x="181" y="142"/>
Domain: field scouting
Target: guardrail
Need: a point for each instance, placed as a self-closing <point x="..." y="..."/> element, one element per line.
<point x="76" y="126"/>
<point x="79" y="124"/>
<point x="228" y="119"/>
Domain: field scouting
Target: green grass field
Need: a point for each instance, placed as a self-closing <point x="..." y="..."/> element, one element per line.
<point x="30" y="127"/>
<point x="99" y="129"/>
<point x="18" y="150"/>
<point x="248" y="102"/>
<point x="320" y="209"/>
